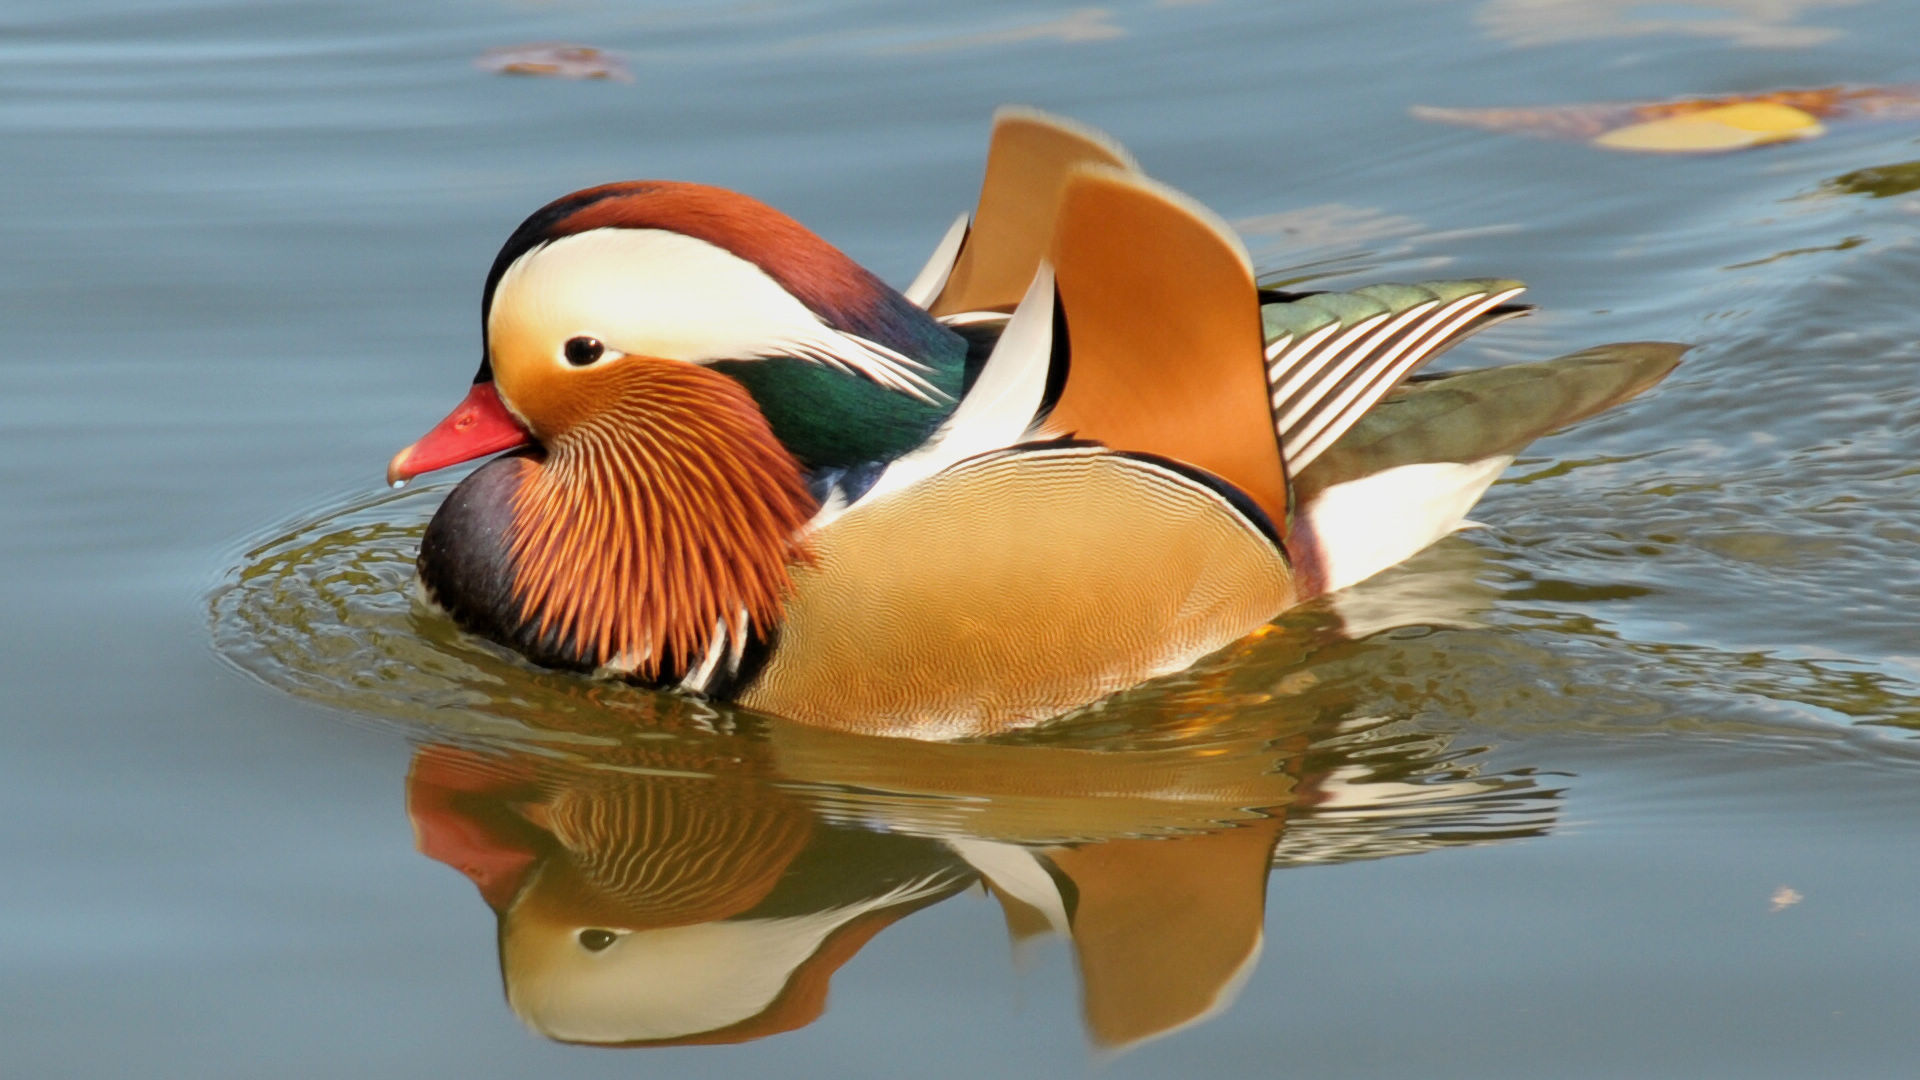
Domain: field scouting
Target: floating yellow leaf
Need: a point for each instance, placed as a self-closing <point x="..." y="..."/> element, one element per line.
<point x="1731" y="122"/>
<point x="1730" y="127"/>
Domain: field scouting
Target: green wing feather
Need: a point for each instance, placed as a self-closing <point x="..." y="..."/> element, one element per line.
<point x="1474" y="415"/>
<point x="1284" y="314"/>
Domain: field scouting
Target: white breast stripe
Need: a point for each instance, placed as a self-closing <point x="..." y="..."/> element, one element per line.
<point x="697" y="679"/>
<point x="975" y="318"/>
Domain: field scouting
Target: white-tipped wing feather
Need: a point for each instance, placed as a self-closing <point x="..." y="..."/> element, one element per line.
<point x="997" y="412"/>
<point x="932" y="278"/>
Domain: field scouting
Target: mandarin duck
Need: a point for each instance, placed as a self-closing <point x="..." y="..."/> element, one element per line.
<point x="1082" y="449"/>
<point x="707" y="886"/>
<point x="706" y="889"/>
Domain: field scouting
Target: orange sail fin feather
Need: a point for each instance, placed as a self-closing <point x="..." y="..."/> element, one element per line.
<point x="1029" y="158"/>
<point x="1164" y="321"/>
<point x="761" y="474"/>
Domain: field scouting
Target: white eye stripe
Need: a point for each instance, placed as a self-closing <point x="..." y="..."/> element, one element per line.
<point x="659" y="293"/>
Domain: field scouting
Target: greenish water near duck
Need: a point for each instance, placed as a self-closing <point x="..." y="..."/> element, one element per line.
<point x="1621" y="784"/>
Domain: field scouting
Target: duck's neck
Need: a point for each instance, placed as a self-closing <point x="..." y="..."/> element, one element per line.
<point x="654" y="539"/>
<point x="830" y="420"/>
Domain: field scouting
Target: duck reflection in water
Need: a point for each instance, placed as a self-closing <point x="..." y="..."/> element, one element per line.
<point x="698" y="886"/>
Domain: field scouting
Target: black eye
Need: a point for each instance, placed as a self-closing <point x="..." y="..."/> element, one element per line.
<point x="596" y="940"/>
<point x="582" y="351"/>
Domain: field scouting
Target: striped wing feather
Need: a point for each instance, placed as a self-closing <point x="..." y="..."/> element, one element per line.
<point x="1471" y="416"/>
<point x="1333" y="356"/>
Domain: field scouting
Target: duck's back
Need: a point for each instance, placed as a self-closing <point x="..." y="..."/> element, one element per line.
<point x="1134" y="525"/>
<point x="1181" y="457"/>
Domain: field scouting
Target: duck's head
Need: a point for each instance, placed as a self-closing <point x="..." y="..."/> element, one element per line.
<point x="673" y="362"/>
<point x="639" y="924"/>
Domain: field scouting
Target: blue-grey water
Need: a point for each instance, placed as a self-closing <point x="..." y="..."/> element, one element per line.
<point x="1623" y="784"/>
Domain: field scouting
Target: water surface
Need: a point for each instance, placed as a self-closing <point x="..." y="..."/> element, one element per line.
<point x="1623" y="783"/>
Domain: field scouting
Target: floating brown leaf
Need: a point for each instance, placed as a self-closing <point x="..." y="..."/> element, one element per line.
<point x="1730" y="122"/>
<point x="554" y="60"/>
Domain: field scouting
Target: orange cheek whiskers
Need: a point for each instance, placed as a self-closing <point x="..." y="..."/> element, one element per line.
<point x="667" y="516"/>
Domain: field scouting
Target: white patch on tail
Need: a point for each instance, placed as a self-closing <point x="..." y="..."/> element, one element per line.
<point x="1363" y="526"/>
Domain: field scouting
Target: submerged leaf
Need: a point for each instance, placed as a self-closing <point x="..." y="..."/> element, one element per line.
<point x="1879" y="182"/>
<point x="555" y="61"/>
